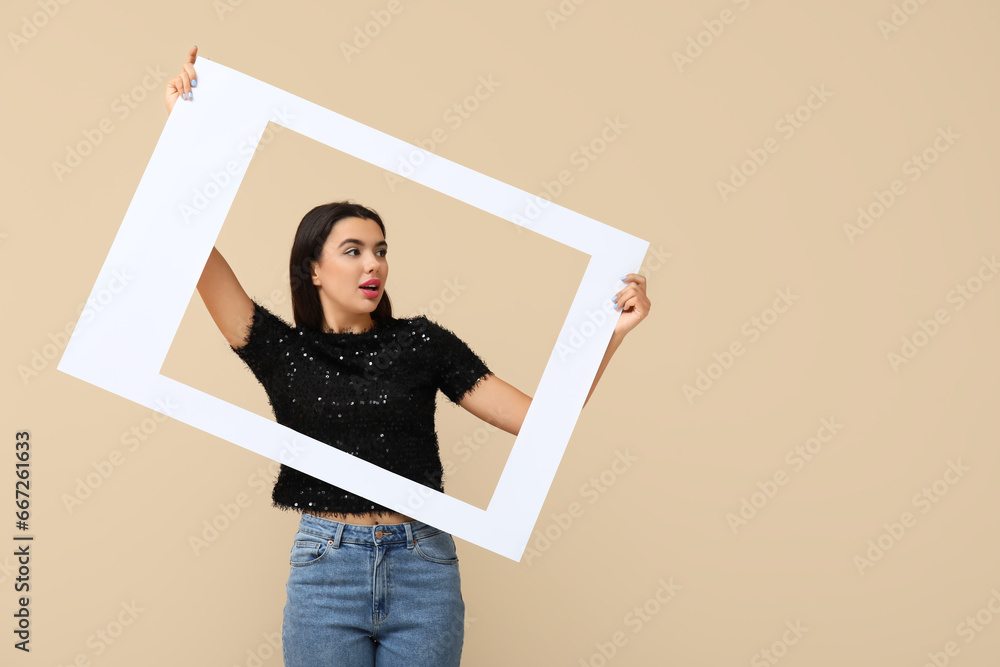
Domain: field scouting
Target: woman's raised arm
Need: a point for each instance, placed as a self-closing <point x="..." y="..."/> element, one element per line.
<point x="227" y="302"/>
<point x="505" y="406"/>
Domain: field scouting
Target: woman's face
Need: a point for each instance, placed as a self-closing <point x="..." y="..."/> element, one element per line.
<point x="354" y="254"/>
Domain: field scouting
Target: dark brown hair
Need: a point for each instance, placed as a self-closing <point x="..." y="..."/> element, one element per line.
<point x="307" y="248"/>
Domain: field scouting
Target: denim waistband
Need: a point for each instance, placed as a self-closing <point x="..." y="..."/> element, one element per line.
<point x="337" y="532"/>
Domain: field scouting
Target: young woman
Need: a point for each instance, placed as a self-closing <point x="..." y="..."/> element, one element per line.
<point x="367" y="584"/>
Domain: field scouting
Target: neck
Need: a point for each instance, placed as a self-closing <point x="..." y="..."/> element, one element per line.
<point x="339" y="325"/>
<point x="337" y="321"/>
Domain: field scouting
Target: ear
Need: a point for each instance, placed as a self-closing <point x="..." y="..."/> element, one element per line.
<point x="315" y="273"/>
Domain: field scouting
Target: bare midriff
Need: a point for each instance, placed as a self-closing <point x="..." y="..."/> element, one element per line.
<point x="364" y="519"/>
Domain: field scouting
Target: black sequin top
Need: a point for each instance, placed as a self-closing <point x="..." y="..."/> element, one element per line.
<point x="371" y="394"/>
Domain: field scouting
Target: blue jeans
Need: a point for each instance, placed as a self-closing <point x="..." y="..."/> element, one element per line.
<point x="365" y="595"/>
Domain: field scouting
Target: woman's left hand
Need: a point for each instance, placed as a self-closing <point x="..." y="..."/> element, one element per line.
<point x="632" y="303"/>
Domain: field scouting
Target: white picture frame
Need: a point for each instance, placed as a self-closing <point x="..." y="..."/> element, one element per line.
<point x="162" y="249"/>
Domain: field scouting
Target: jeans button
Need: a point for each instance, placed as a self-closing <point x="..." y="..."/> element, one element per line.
<point x="378" y="534"/>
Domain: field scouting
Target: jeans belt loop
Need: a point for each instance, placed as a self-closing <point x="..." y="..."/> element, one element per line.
<point x="340" y="533"/>
<point x="409" y="535"/>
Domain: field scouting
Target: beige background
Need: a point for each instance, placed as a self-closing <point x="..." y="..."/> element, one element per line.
<point x="601" y="576"/>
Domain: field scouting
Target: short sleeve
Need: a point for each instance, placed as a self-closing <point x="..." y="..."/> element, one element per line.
<point x="458" y="368"/>
<point x="268" y="335"/>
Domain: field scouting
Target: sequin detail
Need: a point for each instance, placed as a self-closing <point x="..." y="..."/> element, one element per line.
<point x="371" y="394"/>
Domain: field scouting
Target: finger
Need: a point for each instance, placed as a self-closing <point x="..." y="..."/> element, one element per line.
<point x="627" y="291"/>
<point x="625" y="304"/>
<point x="193" y="54"/>
<point x="185" y="85"/>
<point x="638" y="300"/>
<point x="622" y="300"/>
<point x="632" y="304"/>
<point x="635" y="277"/>
<point x="189" y="70"/>
<point x="635" y="287"/>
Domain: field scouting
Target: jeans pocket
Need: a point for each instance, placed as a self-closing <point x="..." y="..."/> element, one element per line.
<point x="438" y="547"/>
<point x="307" y="550"/>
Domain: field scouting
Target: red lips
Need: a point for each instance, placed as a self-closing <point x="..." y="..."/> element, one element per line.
<point x="371" y="293"/>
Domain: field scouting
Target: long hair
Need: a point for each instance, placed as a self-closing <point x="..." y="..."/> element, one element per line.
<point x="307" y="248"/>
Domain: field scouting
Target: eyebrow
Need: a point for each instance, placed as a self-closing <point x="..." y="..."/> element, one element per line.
<point x="360" y="243"/>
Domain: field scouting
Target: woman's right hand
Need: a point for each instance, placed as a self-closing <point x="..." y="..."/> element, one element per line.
<point x="180" y="86"/>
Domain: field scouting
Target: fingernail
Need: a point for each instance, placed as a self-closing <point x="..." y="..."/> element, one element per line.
<point x="194" y="82"/>
<point x="614" y="298"/>
<point x="623" y="277"/>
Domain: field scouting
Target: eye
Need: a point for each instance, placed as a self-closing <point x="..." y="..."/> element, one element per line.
<point x="354" y="251"/>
